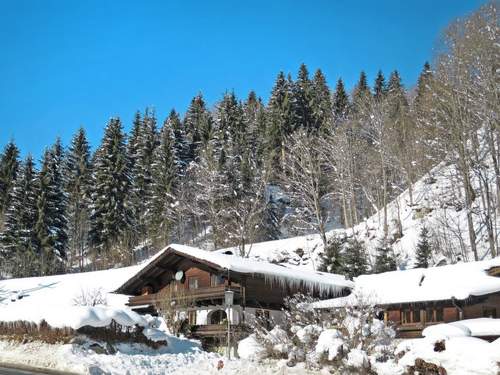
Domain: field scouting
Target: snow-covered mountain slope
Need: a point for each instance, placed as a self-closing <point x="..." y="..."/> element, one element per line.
<point x="437" y="204"/>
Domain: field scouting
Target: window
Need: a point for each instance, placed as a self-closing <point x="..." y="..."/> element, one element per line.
<point x="439" y="314"/>
<point x="429" y="315"/>
<point x="193" y="282"/>
<point x="192" y="317"/>
<point x="416" y="316"/>
<point x="263" y="317"/>
<point x="489" y="312"/>
<point x="410" y="316"/>
<point x="216" y="280"/>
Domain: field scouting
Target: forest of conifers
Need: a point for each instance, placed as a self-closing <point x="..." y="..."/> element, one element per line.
<point x="244" y="171"/>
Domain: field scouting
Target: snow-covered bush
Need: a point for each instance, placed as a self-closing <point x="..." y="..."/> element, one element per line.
<point x="347" y="339"/>
<point x="90" y="297"/>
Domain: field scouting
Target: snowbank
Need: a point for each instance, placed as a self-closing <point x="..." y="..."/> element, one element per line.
<point x="462" y="355"/>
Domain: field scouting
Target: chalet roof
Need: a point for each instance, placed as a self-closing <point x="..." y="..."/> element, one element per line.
<point x="283" y="275"/>
<point x="458" y="281"/>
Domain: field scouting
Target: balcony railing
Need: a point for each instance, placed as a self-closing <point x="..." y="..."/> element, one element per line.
<point x="195" y="295"/>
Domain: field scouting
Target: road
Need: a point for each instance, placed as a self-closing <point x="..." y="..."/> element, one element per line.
<point x="15" y="371"/>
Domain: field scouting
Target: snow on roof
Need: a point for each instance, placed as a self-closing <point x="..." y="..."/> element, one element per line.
<point x="273" y="273"/>
<point x="457" y="281"/>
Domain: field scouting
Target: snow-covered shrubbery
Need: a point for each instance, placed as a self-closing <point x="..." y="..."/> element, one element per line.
<point x="347" y="339"/>
<point x="91" y="297"/>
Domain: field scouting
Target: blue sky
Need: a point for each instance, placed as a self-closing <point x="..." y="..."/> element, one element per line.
<point x="68" y="63"/>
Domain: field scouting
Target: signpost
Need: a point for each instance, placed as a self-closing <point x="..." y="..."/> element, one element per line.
<point x="229" y="299"/>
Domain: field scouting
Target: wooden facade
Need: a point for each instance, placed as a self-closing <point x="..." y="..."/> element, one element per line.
<point x="204" y="284"/>
<point x="411" y="318"/>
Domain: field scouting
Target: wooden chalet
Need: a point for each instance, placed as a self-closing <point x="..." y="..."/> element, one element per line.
<point x="417" y="298"/>
<point x="180" y="273"/>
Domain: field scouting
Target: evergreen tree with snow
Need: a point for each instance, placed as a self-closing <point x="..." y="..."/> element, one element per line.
<point x="271" y="221"/>
<point x="19" y="237"/>
<point x="360" y="93"/>
<point x="321" y="102"/>
<point x="111" y="218"/>
<point x="51" y="224"/>
<point x="423" y="93"/>
<point x="423" y="252"/>
<point x="180" y="143"/>
<point x="9" y="165"/>
<point x="355" y="259"/>
<point x="279" y="122"/>
<point x="379" y="89"/>
<point x="78" y="188"/>
<point x="385" y="260"/>
<point x="141" y="174"/>
<point x="163" y="204"/>
<point x="198" y="127"/>
<point x="302" y="91"/>
<point x="331" y="258"/>
<point x="340" y="102"/>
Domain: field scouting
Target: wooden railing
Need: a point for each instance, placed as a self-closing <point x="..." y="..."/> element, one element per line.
<point x="199" y="294"/>
<point x="215" y="330"/>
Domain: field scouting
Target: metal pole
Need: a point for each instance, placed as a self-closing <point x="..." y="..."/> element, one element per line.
<point x="228" y="333"/>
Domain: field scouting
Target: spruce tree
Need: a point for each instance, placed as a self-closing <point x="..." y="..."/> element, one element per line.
<point x="165" y="178"/>
<point x="19" y="237"/>
<point x="321" y="103"/>
<point x="355" y="259"/>
<point x="181" y="146"/>
<point x="141" y="175"/>
<point x="279" y="122"/>
<point x="340" y="102"/>
<point x="302" y="92"/>
<point x="423" y="252"/>
<point x="360" y="93"/>
<point x="385" y="260"/>
<point x="78" y="189"/>
<point x="51" y="224"/>
<point x="423" y="94"/>
<point x="9" y="165"/>
<point x="331" y="258"/>
<point x="110" y="215"/>
<point x="271" y="219"/>
<point x="379" y="89"/>
<point x="198" y="127"/>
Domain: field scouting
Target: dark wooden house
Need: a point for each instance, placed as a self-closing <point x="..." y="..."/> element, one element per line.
<point x="196" y="280"/>
<point x="417" y="298"/>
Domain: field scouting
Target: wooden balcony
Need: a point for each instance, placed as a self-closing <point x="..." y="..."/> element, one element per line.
<point x="200" y="296"/>
<point x="213" y="330"/>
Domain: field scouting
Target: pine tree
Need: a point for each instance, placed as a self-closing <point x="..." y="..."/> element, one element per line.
<point x="423" y="95"/>
<point x="181" y="146"/>
<point x="198" y="126"/>
<point x="385" y="260"/>
<point x="279" y="122"/>
<point x="379" y="89"/>
<point x="423" y="252"/>
<point x="355" y="260"/>
<point x="360" y="93"/>
<point x="331" y="258"/>
<point x="321" y="102"/>
<point x="19" y="236"/>
<point x="271" y="219"/>
<point x="340" y="102"/>
<point x="78" y="189"/>
<point x="110" y="216"/>
<point x="9" y="165"/>
<point x="396" y="95"/>
<point x="51" y="224"/>
<point x="141" y="174"/>
<point x="165" y="177"/>
<point x="302" y="92"/>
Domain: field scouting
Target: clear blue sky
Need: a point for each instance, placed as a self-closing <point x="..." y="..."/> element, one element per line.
<point x="69" y="63"/>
